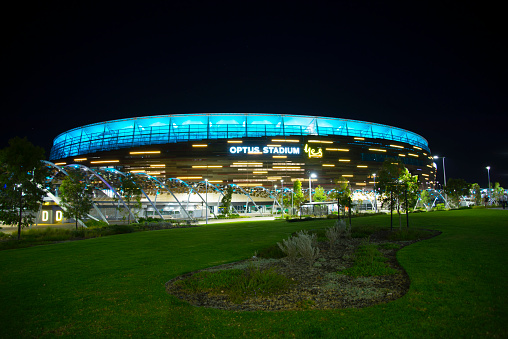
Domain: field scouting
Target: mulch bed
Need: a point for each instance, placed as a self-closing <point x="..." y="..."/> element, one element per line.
<point x="318" y="287"/>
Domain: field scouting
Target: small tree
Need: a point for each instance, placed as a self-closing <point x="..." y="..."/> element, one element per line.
<point x="455" y="188"/>
<point x="319" y="194"/>
<point x="398" y="186"/>
<point x="342" y="194"/>
<point x="226" y="201"/>
<point x="298" y="197"/>
<point x="76" y="197"/>
<point x="497" y="192"/>
<point x="426" y="198"/>
<point x="22" y="177"/>
<point x="131" y="193"/>
<point x="476" y="192"/>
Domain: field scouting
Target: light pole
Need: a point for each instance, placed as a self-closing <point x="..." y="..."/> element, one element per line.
<point x="444" y="169"/>
<point x="312" y="175"/>
<point x="282" y="195"/>
<point x="375" y="196"/>
<point x="488" y="174"/>
<point x="206" y="200"/>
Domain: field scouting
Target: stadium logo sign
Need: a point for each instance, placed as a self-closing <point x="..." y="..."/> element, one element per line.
<point x="313" y="152"/>
<point x="264" y="150"/>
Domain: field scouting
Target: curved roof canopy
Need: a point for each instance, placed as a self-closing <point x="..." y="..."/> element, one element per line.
<point x="172" y="128"/>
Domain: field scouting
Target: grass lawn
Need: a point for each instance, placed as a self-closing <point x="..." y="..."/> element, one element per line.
<point x="114" y="286"/>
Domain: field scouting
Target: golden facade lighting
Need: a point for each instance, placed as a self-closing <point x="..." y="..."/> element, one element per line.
<point x="425" y="175"/>
<point x="259" y="172"/>
<point x="205" y="166"/>
<point x="280" y="156"/>
<point x="286" y="167"/>
<point x="153" y="173"/>
<point x="401" y="155"/>
<point x="417" y="147"/>
<point x="273" y="178"/>
<point x="216" y="181"/>
<point x="200" y="145"/>
<point x="138" y="171"/>
<point x="377" y="150"/>
<point x="328" y="165"/>
<point x="104" y="161"/>
<point x="397" y="146"/>
<point x="189" y="178"/>
<point x="235" y="141"/>
<point x="362" y="166"/>
<point x="320" y="141"/>
<point x="344" y="160"/>
<point x="361" y="184"/>
<point x="429" y="166"/>
<point x="80" y="159"/>
<point x="144" y="152"/>
<point x="247" y="163"/>
<point x="249" y="185"/>
<point x="413" y="155"/>
<point x="254" y="152"/>
<point x="347" y="175"/>
<point x="337" y="149"/>
<point x="285" y="140"/>
<point x="60" y="163"/>
<point x="162" y="165"/>
<point x="359" y="138"/>
<point x="273" y="145"/>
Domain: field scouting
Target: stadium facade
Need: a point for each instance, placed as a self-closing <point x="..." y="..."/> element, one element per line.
<point x="244" y="150"/>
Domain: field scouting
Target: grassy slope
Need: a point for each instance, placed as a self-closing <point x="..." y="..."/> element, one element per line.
<point x="114" y="286"/>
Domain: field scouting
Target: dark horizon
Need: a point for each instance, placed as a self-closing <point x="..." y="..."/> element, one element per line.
<point x="436" y="70"/>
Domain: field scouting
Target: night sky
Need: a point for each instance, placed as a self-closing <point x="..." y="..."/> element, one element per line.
<point x="438" y="69"/>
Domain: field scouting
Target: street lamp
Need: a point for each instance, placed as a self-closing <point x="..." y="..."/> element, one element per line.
<point x="312" y="175"/>
<point x="274" y="198"/>
<point x="488" y="174"/>
<point x="206" y="200"/>
<point x="444" y="169"/>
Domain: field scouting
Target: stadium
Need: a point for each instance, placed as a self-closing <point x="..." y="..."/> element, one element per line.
<point x="188" y="160"/>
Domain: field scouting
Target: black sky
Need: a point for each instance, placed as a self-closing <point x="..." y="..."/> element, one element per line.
<point x="437" y="69"/>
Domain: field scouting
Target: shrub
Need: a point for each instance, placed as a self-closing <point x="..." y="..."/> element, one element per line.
<point x="289" y="248"/>
<point x="307" y="247"/>
<point x="96" y="223"/>
<point x="341" y="230"/>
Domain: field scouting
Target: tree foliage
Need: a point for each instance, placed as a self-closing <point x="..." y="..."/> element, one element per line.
<point x="397" y="185"/>
<point x="130" y="190"/>
<point x="342" y="193"/>
<point x="455" y="188"/>
<point x="319" y="194"/>
<point x="298" y="197"/>
<point x="22" y="177"/>
<point x="76" y="196"/>
<point x="476" y="192"/>
<point x="226" y="201"/>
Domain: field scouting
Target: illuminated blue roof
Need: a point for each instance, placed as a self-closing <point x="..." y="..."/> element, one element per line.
<point x="171" y="128"/>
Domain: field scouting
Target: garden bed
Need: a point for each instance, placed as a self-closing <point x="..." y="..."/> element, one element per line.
<point x="329" y="284"/>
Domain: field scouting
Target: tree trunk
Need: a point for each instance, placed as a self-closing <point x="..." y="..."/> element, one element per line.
<point x="20" y="213"/>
